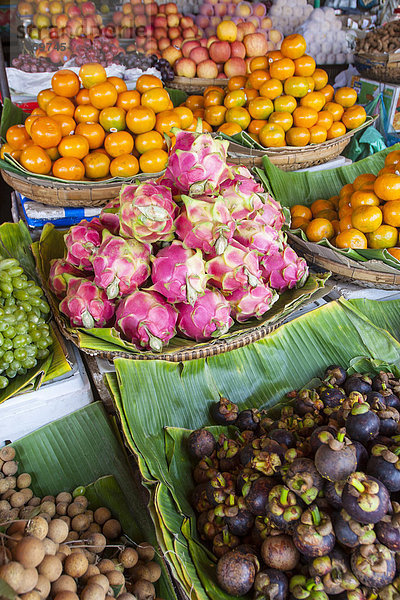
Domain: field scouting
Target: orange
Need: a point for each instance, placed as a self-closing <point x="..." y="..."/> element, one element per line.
<point x="296" y="86"/>
<point x="314" y="100"/>
<point x="153" y="161"/>
<point x="118" y="142"/>
<point x="285" y="104"/>
<point x="165" y="122"/>
<point x="140" y="119"/>
<point x="250" y="94"/>
<point x="185" y="115"/>
<point x="393" y="158"/>
<point x="118" y="83"/>
<point x="35" y="160"/>
<point x="366" y="218"/>
<point x="311" y="84"/>
<point x="390" y="169"/>
<point x="346" y="96"/>
<point x="103" y="95"/>
<point x="328" y="92"/>
<point x="336" y="226"/>
<point x="238" y="115"/>
<point x="320" y="205"/>
<point x="75" y="146"/>
<point x="354" y="116"/>
<point x="156" y="98"/>
<point x="282" y="69"/>
<point x="260" y="108"/>
<point x="395" y="252"/>
<point x="66" y="123"/>
<point x="298" y="136"/>
<point x="336" y="130"/>
<point x="124" y="165"/>
<point x="304" y="117"/>
<point x="53" y="153"/>
<point x="5" y="148"/>
<point x="46" y="132"/>
<point x="345" y="210"/>
<point x="364" y="178"/>
<point x="229" y="128"/>
<point x="345" y="223"/>
<point x="331" y="215"/>
<point x="93" y="132"/>
<point x="271" y="89"/>
<point x="274" y="55"/>
<point x="198" y="113"/>
<point x="293" y="46"/>
<point x="17" y="136"/>
<point x="257" y="78"/>
<point x="298" y="210"/>
<point x="86" y="113"/>
<point x="129" y="99"/>
<point x="387" y="187"/>
<point x="193" y="102"/>
<point x="319" y="229"/>
<point x="97" y="165"/>
<point x="235" y="98"/>
<point x="335" y="109"/>
<point x="213" y="98"/>
<point x="385" y="236"/>
<point x="284" y="119"/>
<point x="258" y="62"/>
<point x="152" y="140"/>
<point x="69" y="168"/>
<point x="212" y="88"/>
<point x="351" y="238"/>
<point x="299" y="223"/>
<point x="346" y="189"/>
<point x="112" y="118"/>
<point x="65" y="83"/>
<point x="215" y="115"/>
<point x="304" y="66"/>
<point x="82" y="96"/>
<point x="320" y="78"/>
<point x="391" y="213"/>
<point x="318" y="134"/>
<point x="334" y="200"/>
<point x="92" y="74"/>
<point x="254" y="136"/>
<point x="272" y="136"/>
<point x="60" y="106"/>
<point x="362" y="198"/>
<point x="206" y="127"/>
<point x="28" y="123"/>
<point x="147" y="82"/>
<point x="44" y="97"/>
<point x="237" y="82"/>
<point x="255" y="126"/>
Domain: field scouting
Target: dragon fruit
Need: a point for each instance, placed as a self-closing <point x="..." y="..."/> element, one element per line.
<point x="253" y="302"/>
<point x="86" y="305"/>
<point x="242" y="194"/>
<point x="146" y="319"/>
<point x="121" y="266"/>
<point x="258" y="236"/>
<point x="270" y="213"/>
<point x="178" y="273"/>
<point x="81" y="241"/>
<point x="109" y="216"/>
<point x="208" y="317"/>
<point x="147" y="212"/>
<point x="237" y="268"/>
<point x="197" y="164"/>
<point x="284" y="270"/>
<point x="57" y="283"/>
<point x="204" y="225"/>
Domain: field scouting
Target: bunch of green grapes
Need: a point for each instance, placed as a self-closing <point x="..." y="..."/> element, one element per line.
<point x="24" y="334"/>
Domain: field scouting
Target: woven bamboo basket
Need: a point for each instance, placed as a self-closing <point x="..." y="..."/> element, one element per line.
<point x="197" y="84"/>
<point x="382" y="67"/>
<point x="55" y="193"/>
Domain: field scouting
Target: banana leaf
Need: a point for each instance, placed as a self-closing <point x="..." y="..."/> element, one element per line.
<point x="84" y="448"/>
<point x="11" y="115"/>
<point x="51" y="245"/>
<point x="159" y="403"/>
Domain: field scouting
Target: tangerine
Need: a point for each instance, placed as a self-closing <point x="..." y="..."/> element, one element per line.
<point x="125" y="165"/>
<point x="385" y="236"/>
<point x="271" y="89"/>
<point x="238" y="115"/>
<point x="314" y="100"/>
<point x="185" y="115"/>
<point x="65" y="83"/>
<point x="258" y="62"/>
<point x="28" y="123"/>
<point x="395" y="252"/>
<point x="285" y="104"/>
<point x="363" y="198"/>
<point x="299" y="223"/>
<point x="69" y="168"/>
<point x="44" y="97"/>
<point x="118" y="83"/>
<point x="393" y="158"/>
<point x="140" y="119"/>
<point x="304" y="66"/>
<point x="35" y="160"/>
<point x="336" y="130"/>
<point x="46" y="132"/>
<point x="118" y="142"/>
<point x="387" y="187"/>
<point x="328" y="92"/>
<point x="366" y="218"/>
<point x="354" y="116"/>
<point x="304" y="117"/>
<point x="298" y="136"/>
<point x="97" y="165"/>
<point x="60" y="106"/>
<point x="284" y="119"/>
<point x="351" y="238"/>
<point x="235" y="98"/>
<point x="293" y="46"/>
<point x="157" y="99"/>
<point x="335" y="109"/>
<point x="112" y="118"/>
<point x="237" y="82"/>
<point x="82" y="96"/>
<point x="86" y="113"/>
<point x="320" y="78"/>
<point x="260" y="108"/>
<point x="255" y="126"/>
<point x="215" y="115"/>
<point x="346" y="96"/>
<point x="93" y="132"/>
<point x="296" y="86"/>
<point x="92" y="74"/>
<point x="319" y="229"/>
<point x="229" y="128"/>
<point x="319" y="205"/>
<point x="103" y="95"/>
<point x="129" y="99"/>
<point x="364" y="178"/>
<point x="318" y="134"/>
<point x="257" y="78"/>
<point x="299" y="210"/>
<point x="391" y="213"/>
<point x="75" y="146"/>
<point x="345" y="223"/>
<point x="67" y="124"/>
<point x="213" y="98"/>
<point x="151" y="140"/>
<point x="272" y="136"/>
<point x="165" y="122"/>
<point x="153" y="161"/>
<point x="281" y="69"/>
<point x="148" y="82"/>
<point x="17" y="136"/>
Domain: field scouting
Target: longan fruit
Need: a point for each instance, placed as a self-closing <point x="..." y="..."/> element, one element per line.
<point x="24" y="481"/>
<point x="72" y="536"/>
<point x="64" y="549"/>
<point x="51" y="567"/>
<point x="12" y="573"/>
<point x="65" y="583"/>
<point x="112" y="529"/>
<point x="10" y="467"/>
<point x="64" y="497"/>
<point x="101" y="515"/>
<point x="46" y="516"/>
<point x="115" y="578"/>
<point x="61" y="508"/>
<point x="35" y="501"/>
<point x="32" y="595"/>
<point x="27" y="494"/>
<point x="128" y="557"/>
<point x="29" y="581"/>
<point x="50" y="547"/>
<point x="58" y="531"/>
<point x="48" y="507"/>
<point x="106" y="565"/>
<point x="143" y="590"/>
<point x="80" y="522"/>
<point x="14" y="540"/>
<point x="91" y="571"/>
<point x="3" y="485"/>
<point x="66" y="520"/>
<point x="140" y="571"/>
<point x="38" y="527"/>
<point x="146" y="551"/>
<point x="18" y="527"/>
<point x="7" y="453"/>
<point x="100" y="580"/>
<point x="96" y="542"/>
<point x="5" y="505"/>
<point x="66" y="596"/>
<point x="49" y="499"/>
<point x="76" y="564"/>
<point x="155" y="571"/>
<point x="43" y="586"/>
<point x="29" y="552"/>
<point x="92" y="591"/>
<point x="75" y="508"/>
<point x="126" y="596"/>
<point x="17" y="500"/>
<point x="7" y="495"/>
<point x="5" y="555"/>
<point x="94" y="528"/>
<point x="82" y="500"/>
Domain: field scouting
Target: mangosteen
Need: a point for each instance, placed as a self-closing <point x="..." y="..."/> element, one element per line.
<point x="384" y="464"/>
<point x="361" y="454"/>
<point x="315" y="437"/>
<point x="199" y="500"/>
<point x="224" y="542"/>
<point x="358" y="383"/>
<point x="381" y="382"/>
<point x="246" y="453"/>
<point x="257" y="496"/>
<point x="307" y="401"/>
<point x="335" y="375"/>
<point x="304" y="588"/>
<point x="219" y="488"/>
<point x="267" y="456"/>
<point x="391" y="399"/>
<point x="313" y="534"/>
<point x="209" y="525"/>
<point x="283" y="508"/>
<point x="248" y="419"/>
<point x="263" y="528"/>
<point x="374" y="397"/>
<point x="374" y="565"/>
<point x="389" y="417"/>
<point x="283" y="437"/>
<point x="331" y="397"/>
<point x="365" y="498"/>
<point x="334" y="572"/>
<point x="279" y="552"/>
<point x="303" y="479"/>
<point x="351" y="533"/>
<point x="200" y="443"/>
<point x="362" y="424"/>
<point x="245" y="478"/>
<point x="227" y="453"/>
<point x="224" y="412"/>
<point x="205" y="469"/>
<point x="271" y="584"/>
<point x="336" y="458"/>
<point x="241" y="523"/>
<point x="391" y="591"/>
<point x="236" y="573"/>
<point x="333" y="493"/>
<point x="388" y="529"/>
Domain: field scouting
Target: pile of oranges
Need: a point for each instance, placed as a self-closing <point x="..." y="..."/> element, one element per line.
<point x="97" y="131"/>
<point x="365" y="214"/>
<point x="285" y="100"/>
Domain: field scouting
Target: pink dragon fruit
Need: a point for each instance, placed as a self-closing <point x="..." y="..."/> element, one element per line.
<point x="178" y="273"/>
<point x="147" y="212"/>
<point x="81" y="241"/>
<point x="109" y="216"/>
<point x="238" y="267"/>
<point x="284" y="270"/>
<point x="208" y="317"/>
<point x="253" y="302"/>
<point x="86" y="305"/>
<point x="58" y="268"/>
<point x="121" y="266"/>
<point x="270" y="213"/>
<point x="198" y="168"/>
<point x="258" y="236"/>
<point x="242" y="194"/>
<point x="146" y="319"/>
<point x="204" y="225"/>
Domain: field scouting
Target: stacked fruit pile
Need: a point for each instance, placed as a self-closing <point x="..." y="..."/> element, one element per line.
<point x="365" y="214"/>
<point x="285" y="100"/>
<point x="305" y="505"/>
<point x="31" y="64"/>
<point x="57" y="547"/>
<point x="228" y="256"/>
<point x="97" y="131"/>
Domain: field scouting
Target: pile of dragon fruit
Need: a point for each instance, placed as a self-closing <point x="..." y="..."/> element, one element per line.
<point x="183" y="255"/>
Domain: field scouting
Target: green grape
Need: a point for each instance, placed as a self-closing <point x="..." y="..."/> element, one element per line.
<point x="35" y="301"/>
<point x="15" y="365"/>
<point x="10" y="373"/>
<point x="20" y="354"/>
<point x="9" y="332"/>
<point x="2" y="352"/>
<point x="15" y="272"/>
<point x="20" y="315"/>
<point x="33" y="318"/>
<point x="41" y="322"/>
<point x="21" y="328"/>
<point x="3" y="383"/>
<point x="4" y="276"/>
<point x="6" y="288"/>
<point x="10" y="301"/>
<point x="32" y="327"/>
<point x="5" y="294"/>
<point x="23" y="276"/>
<point x="22" y="295"/>
<point x="44" y="307"/>
<point x="8" y="263"/>
<point x="42" y="343"/>
<point x="9" y="318"/>
<point x="79" y="491"/>
<point x="36" y="335"/>
<point x="7" y="344"/>
<point x="29" y="362"/>
<point x="3" y="325"/>
<point x="36" y="290"/>
<point x="43" y="353"/>
<point x="20" y="341"/>
<point x="31" y="350"/>
<point x="1" y="339"/>
<point x="9" y="310"/>
<point x="1" y="311"/>
<point x="19" y="283"/>
<point x="8" y="356"/>
<point x="22" y="371"/>
<point x="26" y="306"/>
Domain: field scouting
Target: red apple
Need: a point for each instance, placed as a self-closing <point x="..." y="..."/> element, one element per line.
<point x="220" y="10"/>
<point x="171" y="54"/>
<point x="137" y="9"/>
<point x="140" y="40"/>
<point x="221" y="76"/>
<point x="173" y="32"/>
<point x="173" y="20"/>
<point x="177" y="42"/>
<point x="185" y="67"/>
<point x="162" y="10"/>
<point x="88" y="8"/>
<point x="211" y="40"/>
<point x="74" y="28"/>
<point x="61" y="21"/>
<point x="164" y="43"/>
<point x="238" y="49"/>
<point x="220" y="51"/>
<point x="140" y="21"/>
<point x="255" y="44"/>
<point x="207" y="10"/>
<point x="202" y="21"/>
<point x="189" y="33"/>
<point x="207" y="69"/>
<point x="73" y="11"/>
<point x="171" y="8"/>
<point x="160" y="32"/>
<point x="203" y="42"/>
<point x="188" y="46"/>
<point x="151" y="9"/>
<point x="186" y="22"/>
<point x="246" y="28"/>
<point x="117" y="16"/>
<point x="151" y="46"/>
<point x="127" y="9"/>
<point x="214" y="21"/>
<point x="231" y="10"/>
<point x="235" y="66"/>
<point x="199" y="54"/>
<point x="160" y="21"/>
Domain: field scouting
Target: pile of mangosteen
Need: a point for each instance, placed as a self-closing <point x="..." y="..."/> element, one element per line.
<point x="306" y="505"/>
